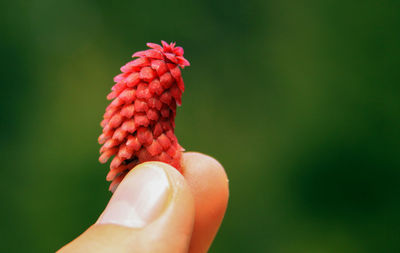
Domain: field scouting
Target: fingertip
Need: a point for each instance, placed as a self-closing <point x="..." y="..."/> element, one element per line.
<point x="205" y="174"/>
<point x="210" y="187"/>
<point x="152" y="204"/>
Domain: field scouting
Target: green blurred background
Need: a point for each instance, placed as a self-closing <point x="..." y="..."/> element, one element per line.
<point x="300" y="101"/>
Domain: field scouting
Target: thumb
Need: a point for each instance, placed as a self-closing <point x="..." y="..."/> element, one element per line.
<point x="152" y="210"/>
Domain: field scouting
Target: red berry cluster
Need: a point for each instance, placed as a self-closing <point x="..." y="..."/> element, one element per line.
<point x="138" y="125"/>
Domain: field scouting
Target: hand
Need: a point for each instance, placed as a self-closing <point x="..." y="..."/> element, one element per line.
<point x="156" y="209"/>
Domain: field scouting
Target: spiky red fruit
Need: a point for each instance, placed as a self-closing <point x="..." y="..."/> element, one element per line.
<point x="138" y="125"/>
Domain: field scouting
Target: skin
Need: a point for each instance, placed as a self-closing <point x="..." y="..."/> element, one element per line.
<point x="189" y="224"/>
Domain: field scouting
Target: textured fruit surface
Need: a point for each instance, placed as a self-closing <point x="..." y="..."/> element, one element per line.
<point x="138" y="125"/>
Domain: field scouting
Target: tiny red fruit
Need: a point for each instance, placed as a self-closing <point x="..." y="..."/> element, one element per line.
<point x="138" y="125"/>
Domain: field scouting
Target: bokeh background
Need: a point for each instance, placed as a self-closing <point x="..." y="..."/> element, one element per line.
<point x="300" y="101"/>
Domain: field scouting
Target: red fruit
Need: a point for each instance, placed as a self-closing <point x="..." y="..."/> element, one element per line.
<point x="138" y="124"/>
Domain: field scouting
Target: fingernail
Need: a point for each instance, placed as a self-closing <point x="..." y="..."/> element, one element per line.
<point x="140" y="198"/>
